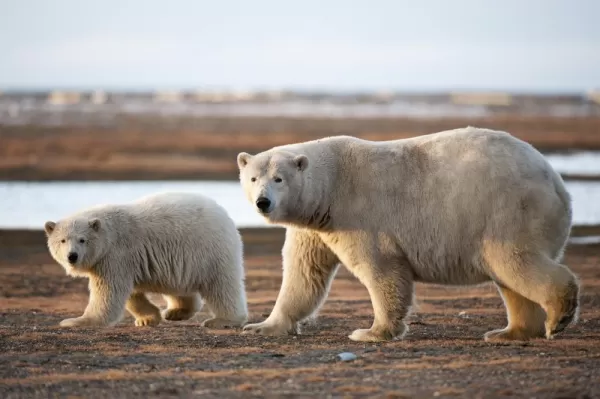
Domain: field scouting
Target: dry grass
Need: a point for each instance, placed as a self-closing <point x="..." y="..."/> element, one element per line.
<point x="164" y="148"/>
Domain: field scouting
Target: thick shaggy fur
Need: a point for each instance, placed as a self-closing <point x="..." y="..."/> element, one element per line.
<point x="184" y="246"/>
<point x="459" y="207"/>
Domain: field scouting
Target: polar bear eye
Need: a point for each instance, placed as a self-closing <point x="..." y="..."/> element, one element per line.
<point x="253" y="179"/>
<point x="81" y="240"/>
<point x="278" y="180"/>
<point x="63" y="240"/>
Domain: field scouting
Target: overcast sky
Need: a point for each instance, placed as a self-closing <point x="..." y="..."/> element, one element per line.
<point x="531" y="45"/>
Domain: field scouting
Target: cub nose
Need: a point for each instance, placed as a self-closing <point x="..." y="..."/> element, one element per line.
<point x="263" y="203"/>
<point x="72" y="257"/>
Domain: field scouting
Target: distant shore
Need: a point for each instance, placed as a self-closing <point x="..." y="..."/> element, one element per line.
<point x="155" y="147"/>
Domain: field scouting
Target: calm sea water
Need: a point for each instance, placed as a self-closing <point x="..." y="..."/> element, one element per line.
<point x="29" y="204"/>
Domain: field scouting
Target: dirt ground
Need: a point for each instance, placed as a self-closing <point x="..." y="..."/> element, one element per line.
<point x="160" y="147"/>
<point x="443" y="355"/>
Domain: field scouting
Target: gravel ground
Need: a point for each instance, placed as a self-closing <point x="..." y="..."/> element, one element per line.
<point x="443" y="355"/>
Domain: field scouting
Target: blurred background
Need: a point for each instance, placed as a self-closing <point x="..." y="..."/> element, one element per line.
<point x="107" y="101"/>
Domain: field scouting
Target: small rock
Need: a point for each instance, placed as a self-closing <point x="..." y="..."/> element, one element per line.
<point x="462" y="314"/>
<point x="347" y="356"/>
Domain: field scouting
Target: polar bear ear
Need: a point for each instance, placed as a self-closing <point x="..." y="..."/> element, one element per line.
<point x="301" y="162"/>
<point x="49" y="227"/>
<point x="95" y="224"/>
<point x="242" y="159"/>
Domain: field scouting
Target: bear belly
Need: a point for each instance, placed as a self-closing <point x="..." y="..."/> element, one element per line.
<point x="450" y="274"/>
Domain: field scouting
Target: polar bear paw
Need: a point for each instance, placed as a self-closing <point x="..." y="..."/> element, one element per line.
<point x="378" y="334"/>
<point x="147" y="321"/>
<point x="511" y="334"/>
<point x="79" y="322"/>
<point x="178" y="314"/>
<point x="270" y="328"/>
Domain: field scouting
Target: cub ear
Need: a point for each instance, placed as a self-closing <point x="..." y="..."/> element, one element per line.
<point x="49" y="227"/>
<point x="301" y="162"/>
<point x="95" y="224"/>
<point x="242" y="159"/>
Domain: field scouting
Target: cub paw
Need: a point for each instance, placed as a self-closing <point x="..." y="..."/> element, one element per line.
<point x="178" y="314"/>
<point x="147" y="321"/>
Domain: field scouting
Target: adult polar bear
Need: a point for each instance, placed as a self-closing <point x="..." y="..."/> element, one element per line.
<point x="459" y="207"/>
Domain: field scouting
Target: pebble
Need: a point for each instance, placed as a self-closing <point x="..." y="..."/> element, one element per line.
<point x="347" y="356"/>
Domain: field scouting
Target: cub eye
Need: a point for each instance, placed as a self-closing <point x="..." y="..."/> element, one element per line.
<point x="81" y="240"/>
<point x="253" y="179"/>
<point x="278" y="180"/>
<point x="63" y="240"/>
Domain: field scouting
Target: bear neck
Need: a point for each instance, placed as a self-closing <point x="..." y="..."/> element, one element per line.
<point x="315" y="203"/>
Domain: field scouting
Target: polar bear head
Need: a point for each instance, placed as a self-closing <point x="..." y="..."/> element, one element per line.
<point x="77" y="243"/>
<point x="276" y="183"/>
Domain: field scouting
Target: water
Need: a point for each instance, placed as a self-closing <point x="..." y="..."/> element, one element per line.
<point x="579" y="163"/>
<point x="29" y="205"/>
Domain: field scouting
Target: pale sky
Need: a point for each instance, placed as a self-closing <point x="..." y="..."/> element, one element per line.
<point x="525" y="45"/>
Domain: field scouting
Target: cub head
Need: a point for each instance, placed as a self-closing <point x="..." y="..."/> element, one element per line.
<point x="273" y="182"/>
<point x="77" y="244"/>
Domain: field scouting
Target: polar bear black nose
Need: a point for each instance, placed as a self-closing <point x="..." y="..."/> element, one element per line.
<point x="263" y="203"/>
<point x="72" y="257"/>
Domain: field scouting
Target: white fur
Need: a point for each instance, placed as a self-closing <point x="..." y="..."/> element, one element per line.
<point x="184" y="246"/>
<point x="460" y="207"/>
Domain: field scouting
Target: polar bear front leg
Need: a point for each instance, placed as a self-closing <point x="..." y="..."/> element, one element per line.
<point x="391" y="290"/>
<point x="308" y="269"/>
<point x="106" y="304"/>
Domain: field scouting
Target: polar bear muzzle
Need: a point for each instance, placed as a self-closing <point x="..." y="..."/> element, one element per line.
<point x="264" y="205"/>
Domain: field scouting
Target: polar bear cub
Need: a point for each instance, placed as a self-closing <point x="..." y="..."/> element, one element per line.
<point x="182" y="245"/>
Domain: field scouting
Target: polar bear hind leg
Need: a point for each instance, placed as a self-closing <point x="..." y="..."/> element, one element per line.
<point x="525" y="280"/>
<point x="525" y="318"/>
<point x="182" y="307"/>
<point x="145" y="313"/>
<point x="226" y="300"/>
